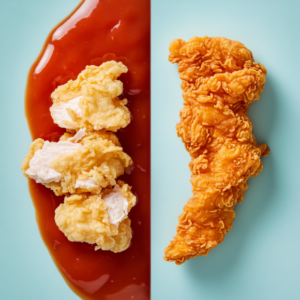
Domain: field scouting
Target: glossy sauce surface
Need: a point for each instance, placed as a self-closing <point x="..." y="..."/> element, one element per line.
<point x="98" y="31"/>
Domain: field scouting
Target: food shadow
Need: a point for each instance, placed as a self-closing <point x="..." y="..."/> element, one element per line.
<point x="258" y="198"/>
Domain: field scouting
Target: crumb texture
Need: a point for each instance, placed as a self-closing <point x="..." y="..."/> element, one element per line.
<point x="91" y="101"/>
<point x="99" y="160"/>
<point x="85" y="218"/>
<point x="87" y="160"/>
<point x="219" y="80"/>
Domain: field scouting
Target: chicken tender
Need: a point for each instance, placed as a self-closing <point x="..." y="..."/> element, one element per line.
<point x="98" y="219"/>
<point x="85" y="162"/>
<point x="91" y="101"/>
<point x="219" y="80"/>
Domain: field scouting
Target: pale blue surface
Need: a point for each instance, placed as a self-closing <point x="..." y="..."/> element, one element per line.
<point x="26" y="268"/>
<point x="259" y="258"/>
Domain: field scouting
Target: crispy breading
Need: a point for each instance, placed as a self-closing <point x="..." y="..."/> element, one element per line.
<point x="100" y="158"/>
<point x="99" y="103"/>
<point x="84" y="218"/>
<point x="219" y="80"/>
<point x="215" y="69"/>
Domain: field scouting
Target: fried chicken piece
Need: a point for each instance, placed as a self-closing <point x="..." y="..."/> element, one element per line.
<point x="98" y="219"/>
<point x="85" y="162"/>
<point x="91" y="101"/>
<point x="219" y="80"/>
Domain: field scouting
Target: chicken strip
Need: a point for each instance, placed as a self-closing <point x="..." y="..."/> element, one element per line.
<point x="98" y="219"/>
<point x="85" y="162"/>
<point x="91" y="101"/>
<point x="219" y="80"/>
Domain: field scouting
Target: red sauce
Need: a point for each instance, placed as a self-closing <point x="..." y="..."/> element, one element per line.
<point x="98" y="31"/>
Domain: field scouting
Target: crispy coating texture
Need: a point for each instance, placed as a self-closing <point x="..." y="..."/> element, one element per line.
<point x="100" y="106"/>
<point x="101" y="158"/>
<point x="84" y="218"/>
<point x="219" y="80"/>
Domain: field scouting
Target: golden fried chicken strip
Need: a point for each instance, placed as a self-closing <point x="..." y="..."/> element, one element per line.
<point x="87" y="165"/>
<point x="219" y="80"/>
<point x="98" y="219"/>
<point x="91" y="101"/>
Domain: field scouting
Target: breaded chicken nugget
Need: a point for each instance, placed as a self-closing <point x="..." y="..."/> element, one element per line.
<point x="98" y="219"/>
<point x="91" y="101"/>
<point x="77" y="163"/>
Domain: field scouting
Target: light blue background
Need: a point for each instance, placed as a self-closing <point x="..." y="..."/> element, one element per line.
<point x="26" y="268"/>
<point x="259" y="258"/>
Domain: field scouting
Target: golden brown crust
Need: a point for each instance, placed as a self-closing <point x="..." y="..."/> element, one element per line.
<point x="219" y="80"/>
<point x="214" y="69"/>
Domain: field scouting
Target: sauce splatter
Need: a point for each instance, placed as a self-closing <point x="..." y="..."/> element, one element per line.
<point x="98" y="31"/>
